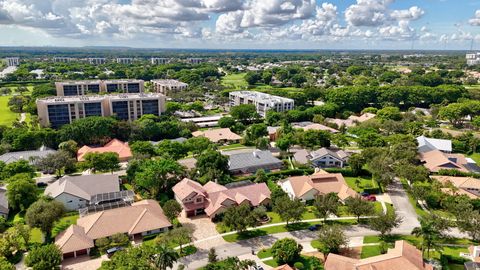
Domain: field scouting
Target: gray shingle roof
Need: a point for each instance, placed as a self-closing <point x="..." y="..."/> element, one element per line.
<point x="84" y="186"/>
<point x="3" y="201"/>
<point x="25" y="155"/>
<point x="256" y="158"/>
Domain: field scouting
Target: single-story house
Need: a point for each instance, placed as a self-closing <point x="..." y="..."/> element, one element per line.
<point x="352" y="120"/>
<point x="250" y="162"/>
<point x="307" y="187"/>
<point x="283" y="267"/>
<point x="189" y="163"/>
<point x="428" y="144"/>
<point x="307" y="125"/>
<point x="437" y="160"/>
<point x="140" y="219"/>
<point x="115" y="146"/>
<point x="213" y="199"/>
<point x="322" y="158"/>
<point x="468" y="186"/>
<point x="4" y="210"/>
<point x="403" y="256"/>
<point x="29" y="156"/>
<point x="75" y="192"/>
<point x="219" y="135"/>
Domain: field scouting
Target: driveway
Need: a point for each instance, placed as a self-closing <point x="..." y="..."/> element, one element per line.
<point x="403" y="208"/>
<point x="203" y="228"/>
<point x="83" y="263"/>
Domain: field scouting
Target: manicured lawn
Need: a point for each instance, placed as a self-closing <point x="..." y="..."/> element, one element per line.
<point x="236" y="81"/>
<point x="7" y="117"/>
<point x="475" y="157"/>
<point x="274" y="217"/>
<point x="127" y="186"/>
<point x="364" y="183"/>
<point x="280" y="228"/>
<point x="63" y="224"/>
<point x="232" y="146"/>
<point x="264" y="253"/>
<point x="36" y="236"/>
<point x="370" y="251"/>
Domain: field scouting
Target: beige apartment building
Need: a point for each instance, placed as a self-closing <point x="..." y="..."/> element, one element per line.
<point x="80" y="88"/>
<point x="57" y="111"/>
<point x="263" y="102"/>
<point x="167" y="87"/>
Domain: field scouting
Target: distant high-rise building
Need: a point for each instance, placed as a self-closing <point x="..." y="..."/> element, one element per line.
<point x="167" y="87"/>
<point x="195" y="60"/>
<point x="97" y="60"/>
<point x="80" y="88"/>
<point x="57" y="111"/>
<point x="126" y="61"/>
<point x="473" y="59"/>
<point x="60" y="59"/>
<point x="158" y="61"/>
<point x="263" y="102"/>
<point x="12" y="61"/>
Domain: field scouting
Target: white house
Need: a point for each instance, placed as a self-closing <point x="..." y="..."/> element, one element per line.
<point x="75" y="192"/>
<point x="428" y="144"/>
<point x="3" y="203"/>
<point x="322" y="158"/>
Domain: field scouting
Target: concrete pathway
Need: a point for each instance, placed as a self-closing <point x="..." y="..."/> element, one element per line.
<point x="403" y="208"/>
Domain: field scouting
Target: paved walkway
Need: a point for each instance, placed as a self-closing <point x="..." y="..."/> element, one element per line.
<point x="403" y="208"/>
<point x="205" y="234"/>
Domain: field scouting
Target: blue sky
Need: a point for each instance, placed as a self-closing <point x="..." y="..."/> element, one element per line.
<point x="243" y="24"/>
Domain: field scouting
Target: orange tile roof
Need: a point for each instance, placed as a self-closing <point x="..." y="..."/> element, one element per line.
<point x="216" y="135"/>
<point x="283" y="267"/>
<point x="403" y="256"/>
<point x="73" y="239"/>
<point x="436" y="160"/>
<point x="115" y="146"/>
<point x="465" y="185"/>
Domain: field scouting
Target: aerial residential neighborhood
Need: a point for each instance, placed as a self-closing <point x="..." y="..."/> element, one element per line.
<point x="239" y="135"/>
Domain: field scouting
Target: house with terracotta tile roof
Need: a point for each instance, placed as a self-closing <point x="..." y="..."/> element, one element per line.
<point x="115" y="146"/>
<point x="307" y="125"/>
<point x="403" y="256"/>
<point x="307" y="187"/>
<point x="352" y="120"/>
<point x="213" y="199"/>
<point x="140" y="219"/>
<point x="468" y="186"/>
<point x="219" y="135"/>
<point x="437" y="160"/>
<point x="283" y="267"/>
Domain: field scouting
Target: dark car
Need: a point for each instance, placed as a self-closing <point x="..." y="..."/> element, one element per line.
<point x="365" y="194"/>
<point x="112" y="251"/>
<point x="314" y="227"/>
<point x="42" y="184"/>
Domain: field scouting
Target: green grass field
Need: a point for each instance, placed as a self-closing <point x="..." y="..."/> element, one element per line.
<point x="7" y="117"/>
<point x="236" y="81"/>
<point x="364" y="183"/>
<point x="63" y="224"/>
<point x="475" y="157"/>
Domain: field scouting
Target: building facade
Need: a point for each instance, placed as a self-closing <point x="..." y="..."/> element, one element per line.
<point x="195" y="61"/>
<point x="80" y="88"/>
<point x="59" y="59"/>
<point x="473" y="58"/>
<point x="263" y="102"/>
<point x="97" y="60"/>
<point x="126" y="61"/>
<point x="12" y="61"/>
<point x="57" y="111"/>
<point x="167" y="87"/>
<point x="158" y="61"/>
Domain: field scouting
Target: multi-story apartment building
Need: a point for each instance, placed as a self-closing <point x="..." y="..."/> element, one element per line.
<point x="158" y="61"/>
<point x="97" y="60"/>
<point x="473" y="59"/>
<point x="167" y="87"/>
<point x="131" y="107"/>
<point x="12" y="61"/>
<point x="59" y="59"/>
<point x="195" y="60"/>
<point x="80" y="88"/>
<point x="126" y="61"/>
<point x="263" y="102"/>
<point x="57" y="111"/>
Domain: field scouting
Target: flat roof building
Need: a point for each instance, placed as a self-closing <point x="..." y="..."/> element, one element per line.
<point x="57" y="111"/>
<point x="158" y="61"/>
<point x="473" y="58"/>
<point x="167" y="87"/>
<point x="12" y="61"/>
<point x="97" y="60"/>
<point x="263" y="102"/>
<point x="126" y="61"/>
<point x="195" y="60"/>
<point x="59" y="59"/>
<point x="80" y="88"/>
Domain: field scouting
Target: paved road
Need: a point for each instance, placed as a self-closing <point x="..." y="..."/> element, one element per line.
<point x="403" y="207"/>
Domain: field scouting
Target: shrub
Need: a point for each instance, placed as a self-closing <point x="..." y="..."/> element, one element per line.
<point x="102" y="243"/>
<point x="298" y="265"/>
<point x="119" y="239"/>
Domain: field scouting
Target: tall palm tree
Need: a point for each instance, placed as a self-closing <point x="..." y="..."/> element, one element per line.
<point x="430" y="230"/>
<point x="164" y="258"/>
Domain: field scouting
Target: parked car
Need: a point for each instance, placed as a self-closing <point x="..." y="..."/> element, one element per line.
<point x="314" y="227"/>
<point x="365" y="194"/>
<point x="371" y="198"/>
<point x="112" y="251"/>
<point x="41" y="184"/>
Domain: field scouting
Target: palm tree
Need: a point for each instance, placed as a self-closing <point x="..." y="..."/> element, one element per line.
<point x="164" y="258"/>
<point x="430" y="231"/>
